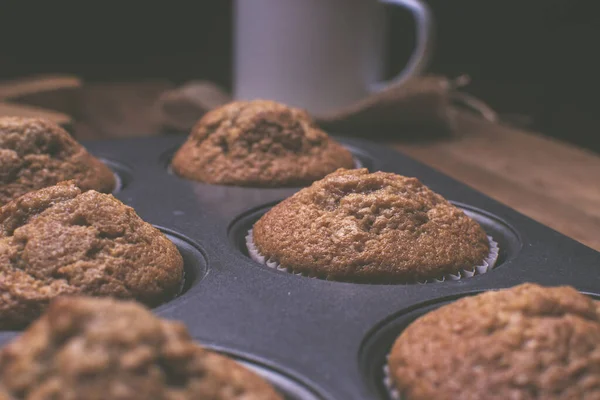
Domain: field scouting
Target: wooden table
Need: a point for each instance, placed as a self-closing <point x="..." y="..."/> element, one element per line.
<point x="552" y="182"/>
<point x="27" y="97"/>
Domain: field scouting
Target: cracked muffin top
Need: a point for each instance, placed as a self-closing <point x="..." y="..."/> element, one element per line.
<point x="527" y="342"/>
<point x="362" y="227"/>
<point x="36" y="153"/>
<point x="258" y="143"/>
<point x="96" y="349"/>
<point x="60" y="240"/>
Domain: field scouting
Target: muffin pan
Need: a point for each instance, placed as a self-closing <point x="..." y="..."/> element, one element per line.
<point x="312" y="338"/>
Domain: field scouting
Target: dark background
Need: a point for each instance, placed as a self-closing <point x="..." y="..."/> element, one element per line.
<point x="536" y="58"/>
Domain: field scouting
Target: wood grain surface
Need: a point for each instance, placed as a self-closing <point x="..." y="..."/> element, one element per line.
<point x="20" y="110"/>
<point x="552" y="182"/>
<point x="54" y="97"/>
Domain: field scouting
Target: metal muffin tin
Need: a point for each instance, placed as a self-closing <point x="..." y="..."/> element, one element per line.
<point x="314" y="339"/>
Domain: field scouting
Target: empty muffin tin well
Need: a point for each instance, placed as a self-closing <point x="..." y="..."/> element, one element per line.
<point x="328" y="333"/>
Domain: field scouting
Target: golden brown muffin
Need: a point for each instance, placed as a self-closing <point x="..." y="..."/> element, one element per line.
<point x="528" y="342"/>
<point x="362" y="227"/>
<point x="97" y="349"/>
<point x="58" y="240"/>
<point x="258" y="143"/>
<point x="36" y="153"/>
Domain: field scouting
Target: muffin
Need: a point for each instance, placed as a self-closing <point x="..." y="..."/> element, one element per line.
<point x="376" y="228"/>
<point x="527" y="342"/>
<point x="258" y="143"/>
<point x="96" y="349"/>
<point x="36" y="153"/>
<point x="60" y="240"/>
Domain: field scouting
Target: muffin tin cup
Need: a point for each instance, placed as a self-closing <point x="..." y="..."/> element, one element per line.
<point x="486" y="265"/>
<point x="392" y="330"/>
<point x="120" y="172"/>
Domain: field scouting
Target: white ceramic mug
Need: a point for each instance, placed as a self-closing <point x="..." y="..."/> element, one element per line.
<point x="320" y="55"/>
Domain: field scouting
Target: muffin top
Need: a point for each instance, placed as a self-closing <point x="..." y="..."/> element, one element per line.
<point x="258" y="143"/>
<point x="36" y="153"/>
<point x="96" y="349"/>
<point x="379" y="227"/>
<point x="527" y="342"/>
<point x="60" y="240"/>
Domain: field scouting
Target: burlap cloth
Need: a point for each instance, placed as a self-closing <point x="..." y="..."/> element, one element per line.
<point x="424" y="105"/>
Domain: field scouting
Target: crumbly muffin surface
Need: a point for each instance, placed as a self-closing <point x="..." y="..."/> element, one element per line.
<point x="528" y="342"/>
<point x="97" y="349"/>
<point x="60" y="240"/>
<point x="378" y="227"/>
<point x="258" y="143"/>
<point x="35" y="153"/>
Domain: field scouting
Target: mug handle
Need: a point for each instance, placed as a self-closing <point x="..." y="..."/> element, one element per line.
<point x="419" y="59"/>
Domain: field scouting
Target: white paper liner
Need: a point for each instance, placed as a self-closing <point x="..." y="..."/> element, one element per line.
<point x="259" y="258"/>
<point x="182" y="284"/>
<point x="118" y="183"/>
<point x="387" y="381"/>
<point x="486" y="265"/>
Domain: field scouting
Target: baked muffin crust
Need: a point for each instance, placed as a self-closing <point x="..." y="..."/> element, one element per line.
<point x="96" y="349"/>
<point x="36" y="153"/>
<point x="527" y="342"/>
<point x="60" y="240"/>
<point x="379" y="227"/>
<point x="258" y="143"/>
